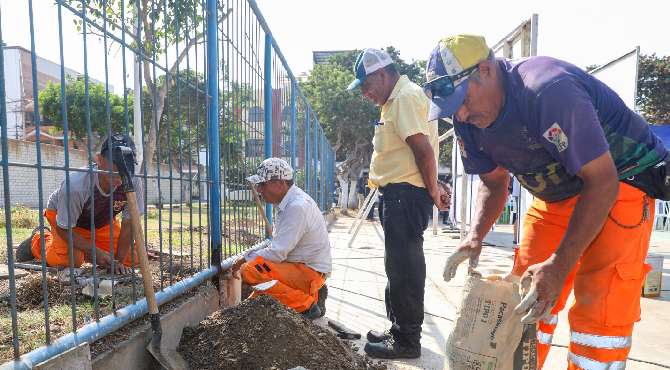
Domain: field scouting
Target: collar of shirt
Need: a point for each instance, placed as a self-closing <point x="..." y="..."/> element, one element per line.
<point x="284" y="202"/>
<point x="402" y="81"/>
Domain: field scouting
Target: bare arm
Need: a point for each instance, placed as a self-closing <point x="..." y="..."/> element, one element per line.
<point x="491" y="198"/>
<point x="424" y="157"/>
<point x="544" y="281"/>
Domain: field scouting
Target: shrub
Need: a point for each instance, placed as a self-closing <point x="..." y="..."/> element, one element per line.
<point x="21" y="217"/>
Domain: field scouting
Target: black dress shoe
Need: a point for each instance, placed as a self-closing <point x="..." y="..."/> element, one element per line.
<point x="390" y="350"/>
<point x="379" y="336"/>
<point x="312" y="313"/>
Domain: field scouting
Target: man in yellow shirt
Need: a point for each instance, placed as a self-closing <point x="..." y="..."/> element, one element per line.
<point x="404" y="168"/>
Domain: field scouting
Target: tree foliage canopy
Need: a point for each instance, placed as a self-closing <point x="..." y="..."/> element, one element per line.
<point x="50" y="103"/>
<point x="653" y="89"/>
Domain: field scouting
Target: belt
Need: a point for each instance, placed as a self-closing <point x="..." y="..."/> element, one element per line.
<point x="391" y="185"/>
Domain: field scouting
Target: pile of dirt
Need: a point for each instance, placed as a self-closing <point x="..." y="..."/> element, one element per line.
<point x="261" y="333"/>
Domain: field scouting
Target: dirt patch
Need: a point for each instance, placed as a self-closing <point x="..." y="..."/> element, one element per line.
<point x="262" y="333"/>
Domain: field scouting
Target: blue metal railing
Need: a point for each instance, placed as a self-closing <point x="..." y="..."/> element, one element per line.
<point x="201" y="73"/>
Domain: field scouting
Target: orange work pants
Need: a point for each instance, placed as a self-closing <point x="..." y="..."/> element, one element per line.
<point x="607" y="279"/>
<point x="296" y="285"/>
<point x="57" y="249"/>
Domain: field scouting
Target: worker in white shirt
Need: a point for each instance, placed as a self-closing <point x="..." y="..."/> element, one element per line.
<point x="293" y="268"/>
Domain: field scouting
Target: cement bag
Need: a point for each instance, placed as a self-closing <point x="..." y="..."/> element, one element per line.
<point x="486" y="332"/>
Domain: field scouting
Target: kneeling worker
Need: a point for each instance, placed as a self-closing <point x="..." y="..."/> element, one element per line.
<point x="294" y="267"/>
<point x="56" y="239"/>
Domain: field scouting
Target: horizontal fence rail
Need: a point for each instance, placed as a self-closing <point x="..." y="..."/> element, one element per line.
<point x="202" y="88"/>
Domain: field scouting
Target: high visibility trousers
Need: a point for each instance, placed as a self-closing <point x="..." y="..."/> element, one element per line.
<point x="607" y="279"/>
<point x="57" y="249"/>
<point x="296" y="285"/>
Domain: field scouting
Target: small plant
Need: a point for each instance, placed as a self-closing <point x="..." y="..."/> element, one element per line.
<point x="21" y="217"/>
<point x="152" y="213"/>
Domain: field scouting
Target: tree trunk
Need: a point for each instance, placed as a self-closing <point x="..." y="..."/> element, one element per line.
<point x="353" y="195"/>
<point x="344" y="195"/>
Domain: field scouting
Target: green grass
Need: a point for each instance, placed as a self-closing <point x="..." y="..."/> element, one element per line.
<point x="242" y="227"/>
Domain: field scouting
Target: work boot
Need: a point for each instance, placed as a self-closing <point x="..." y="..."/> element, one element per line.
<point x="312" y="313"/>
<point x="24" y="252"/>
<point x="323" y="295"/>
<point x="389" y="349"/>
<point x="379" y="336"/>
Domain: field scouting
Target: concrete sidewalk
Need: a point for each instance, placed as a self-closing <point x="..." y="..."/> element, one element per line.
<point x="356" y="295"/>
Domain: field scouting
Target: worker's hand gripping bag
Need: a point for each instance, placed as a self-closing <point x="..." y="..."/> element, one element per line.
<point x="487" y="335"/>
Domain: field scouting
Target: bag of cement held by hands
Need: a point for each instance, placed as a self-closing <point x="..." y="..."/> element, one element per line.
<point x="487" y="335"/>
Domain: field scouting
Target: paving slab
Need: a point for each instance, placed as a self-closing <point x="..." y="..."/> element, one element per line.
<point x="356" y="295"/>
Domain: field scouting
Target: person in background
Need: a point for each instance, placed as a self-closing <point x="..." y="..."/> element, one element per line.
<point x="294" y="268"/>
<point x="404" y="168"/>
<point x="84" y="226"/>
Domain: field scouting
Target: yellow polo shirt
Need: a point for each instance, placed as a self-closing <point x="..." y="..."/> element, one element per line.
<point x="403" y="115"/>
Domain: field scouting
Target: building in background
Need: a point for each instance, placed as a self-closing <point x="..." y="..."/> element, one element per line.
<point x="19" y="94"/>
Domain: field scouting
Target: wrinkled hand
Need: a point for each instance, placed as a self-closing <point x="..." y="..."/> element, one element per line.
<point x="443" y="197"/>
<point x="469" y="248"/>
<point x="104" y="260"/>
<point x="540" y="287"/>
<point x="237" y="265"/>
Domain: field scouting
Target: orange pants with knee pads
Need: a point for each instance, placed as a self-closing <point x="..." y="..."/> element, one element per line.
<point x="57" y="249"/>
<point x="607" y="280"/>
<point x="296" y="285"/>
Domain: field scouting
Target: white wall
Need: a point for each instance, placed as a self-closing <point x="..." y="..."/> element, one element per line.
<point x="23" y="181"/>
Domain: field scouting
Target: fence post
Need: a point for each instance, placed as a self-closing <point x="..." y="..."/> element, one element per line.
<point x="323" y="166"/>
<point x="268" y="109"/>
<point x="307" y="161"/>
<point x="213" y="131"/>
<point x="293" y="162"/>
<point x="316" y="159"/>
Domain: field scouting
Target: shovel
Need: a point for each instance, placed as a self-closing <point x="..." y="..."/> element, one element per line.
<point x="168" y="358"/>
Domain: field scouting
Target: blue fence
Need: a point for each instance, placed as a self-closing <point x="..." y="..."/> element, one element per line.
<point x="202" y="87"/>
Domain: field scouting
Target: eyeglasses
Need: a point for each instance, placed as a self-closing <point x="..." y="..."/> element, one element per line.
<point x="444" y="85"/>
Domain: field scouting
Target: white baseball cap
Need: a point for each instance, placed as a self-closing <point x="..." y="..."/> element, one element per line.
<point x="272" y="169"/>
<point x="368" y="61"/>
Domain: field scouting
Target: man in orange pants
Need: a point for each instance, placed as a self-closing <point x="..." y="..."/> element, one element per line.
<point x="81" y="200"/>
<point x="294" y="267"/>
<point x="571" y="141"/>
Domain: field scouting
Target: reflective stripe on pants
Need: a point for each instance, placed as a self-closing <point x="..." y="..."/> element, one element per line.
<point x="297" y="285"/>
<point x="607" y="279"/>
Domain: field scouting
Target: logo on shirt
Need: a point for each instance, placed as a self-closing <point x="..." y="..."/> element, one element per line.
<point x="118" y="205"/>
<point x="556" y="135"/>
<point x="461" y="147"/>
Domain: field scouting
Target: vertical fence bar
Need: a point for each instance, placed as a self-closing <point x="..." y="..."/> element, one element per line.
<point x="322" y="167"/>
<point x="315" y="158"/>
<point x="268" y="109"/>
<point x="213" y="130"/>
<point x="308" y="181"/>
<point x="8" y="217"/>
<point x="293" y="118"/>
<point x="33" y="60"/>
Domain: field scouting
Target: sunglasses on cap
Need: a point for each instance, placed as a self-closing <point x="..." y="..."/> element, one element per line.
<point x="444" y="85"/>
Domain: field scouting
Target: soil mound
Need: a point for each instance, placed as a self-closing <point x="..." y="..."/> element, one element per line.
<point x="262" y="334"/>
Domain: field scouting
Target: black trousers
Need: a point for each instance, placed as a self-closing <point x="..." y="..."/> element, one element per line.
<point x="404" y="213"/>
